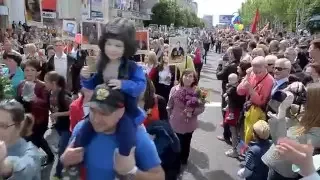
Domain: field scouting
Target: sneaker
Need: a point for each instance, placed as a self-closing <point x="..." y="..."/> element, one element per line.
<point x="232" y="153"/>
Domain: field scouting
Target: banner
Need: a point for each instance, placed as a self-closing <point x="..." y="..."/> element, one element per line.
<point x="96" y="9"/>
<point x="49" y="5"/>
<point x="85" y="9"/>
<point x="225" y="19"/>
<point x="33" y="12"/>
<point x="177" y="49"/>
<point x="90" y="35"/>
<point x="142" y="38"/>
<point x="69" y="29"/>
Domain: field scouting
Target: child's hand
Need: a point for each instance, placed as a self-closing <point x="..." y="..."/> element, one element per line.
<point x="115" y="83"/>
<point x="85" y="72"/>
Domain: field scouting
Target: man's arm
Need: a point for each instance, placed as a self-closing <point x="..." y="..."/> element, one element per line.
<point x="156" y="173"/>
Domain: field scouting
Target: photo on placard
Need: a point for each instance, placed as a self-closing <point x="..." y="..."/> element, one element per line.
<point x="69" y="29"/>
<point x="177" y="49"/>
<point x="33" y="12"/>
<point x="142" y="39"/>
<point x="85" y="9"/>
<point x="96" y="9"/>
<point x="90" y="33"/>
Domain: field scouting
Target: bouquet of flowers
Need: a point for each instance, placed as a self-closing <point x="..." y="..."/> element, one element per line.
<point x="192" y="99"/>
<point x="6" y="89"/>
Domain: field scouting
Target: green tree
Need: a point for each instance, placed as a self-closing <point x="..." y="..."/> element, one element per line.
<point x="181" y="19"/>
<point x="280" y="13"/>
<point x="163" y="13"/>
<point x="167" y="12"/>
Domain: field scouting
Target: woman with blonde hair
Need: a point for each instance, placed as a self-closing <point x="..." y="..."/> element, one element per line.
<point x="305" y="131"/>
<point x="151" y="63"/>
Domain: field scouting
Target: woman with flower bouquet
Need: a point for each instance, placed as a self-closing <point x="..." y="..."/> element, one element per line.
<point x="186" y="102"/>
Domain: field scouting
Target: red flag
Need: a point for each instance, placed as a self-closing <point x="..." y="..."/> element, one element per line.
<point x="255" y="22"/>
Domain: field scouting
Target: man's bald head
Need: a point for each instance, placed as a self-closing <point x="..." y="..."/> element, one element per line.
<point x="284" y="63"/>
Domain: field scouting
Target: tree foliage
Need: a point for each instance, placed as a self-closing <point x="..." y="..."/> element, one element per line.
<point x="167" y="12"/>
<point x="279" y="12"/>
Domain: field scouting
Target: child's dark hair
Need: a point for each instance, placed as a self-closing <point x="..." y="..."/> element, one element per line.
<point x="121" y="29"/>
<point x="53" y="76"/>
<point x="34" y="64"/>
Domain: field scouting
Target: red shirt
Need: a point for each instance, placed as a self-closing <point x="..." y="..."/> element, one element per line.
<point x="76" y="115"/>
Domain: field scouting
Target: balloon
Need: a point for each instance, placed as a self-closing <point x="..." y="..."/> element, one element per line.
<point x="241" y="27"/>
<point x="236" y="27"/>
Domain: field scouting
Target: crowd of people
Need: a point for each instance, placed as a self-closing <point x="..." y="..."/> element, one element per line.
<point x="139" y="116"/>
<point x="135" y="120"/>
<point x="270" y="95"/>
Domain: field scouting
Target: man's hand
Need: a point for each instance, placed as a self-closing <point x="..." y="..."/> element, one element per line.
<point x="124" y="164"/>
<point x="72" y="156"/>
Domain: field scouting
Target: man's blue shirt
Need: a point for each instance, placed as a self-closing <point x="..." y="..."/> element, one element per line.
<point x="98" y="159"/>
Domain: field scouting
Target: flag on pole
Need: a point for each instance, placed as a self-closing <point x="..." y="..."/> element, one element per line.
<point x="255" y="22"/>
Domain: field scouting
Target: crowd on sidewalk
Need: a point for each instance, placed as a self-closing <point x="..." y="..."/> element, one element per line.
<point x="270" y="98"/>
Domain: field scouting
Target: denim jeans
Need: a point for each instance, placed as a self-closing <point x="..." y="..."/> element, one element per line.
<point x="63" y="143"/>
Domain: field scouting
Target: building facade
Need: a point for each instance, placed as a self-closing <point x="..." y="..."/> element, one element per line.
<point x="194" y="7"/>
<point x="208" y="20"/>
<point x="136" y="10"/>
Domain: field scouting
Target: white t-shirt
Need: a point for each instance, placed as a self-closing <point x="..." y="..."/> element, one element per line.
<point x="165" y="76"/>
<point x="61" y="65"/>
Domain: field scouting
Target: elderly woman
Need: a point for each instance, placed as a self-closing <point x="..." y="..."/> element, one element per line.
<point x="19" y="160"/>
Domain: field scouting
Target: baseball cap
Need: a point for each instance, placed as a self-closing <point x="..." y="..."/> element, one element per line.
<point x="106" y="99"/>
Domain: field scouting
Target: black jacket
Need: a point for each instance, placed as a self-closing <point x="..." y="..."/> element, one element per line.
<point x="224" y="72"/>
<point x="74" y="68"/>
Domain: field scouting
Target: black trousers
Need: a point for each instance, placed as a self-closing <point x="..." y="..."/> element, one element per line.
<point x="37" y="138"/>
<point x="185" y="142"/>
<point x="198" y="68"/>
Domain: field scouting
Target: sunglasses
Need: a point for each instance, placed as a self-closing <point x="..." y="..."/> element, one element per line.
<point x="270" y="64"/>
<point x="279" y="68"/>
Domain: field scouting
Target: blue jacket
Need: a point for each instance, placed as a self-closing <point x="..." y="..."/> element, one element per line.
<point x="253" y="160"/>
<point x="133" y="84"/>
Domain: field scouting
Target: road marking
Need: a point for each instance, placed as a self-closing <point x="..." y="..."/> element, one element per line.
<point x="213" y="104"/>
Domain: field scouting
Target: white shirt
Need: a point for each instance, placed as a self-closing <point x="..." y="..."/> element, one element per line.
<point x="61" y="65"/>
<point x="165" y="76"/>
<point x="314" y="176"/>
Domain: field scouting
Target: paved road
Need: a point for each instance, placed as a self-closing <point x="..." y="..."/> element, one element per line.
<point x="207" y="159"/>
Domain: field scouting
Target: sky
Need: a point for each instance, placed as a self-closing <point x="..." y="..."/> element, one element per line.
<point x="217" y="7"/>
